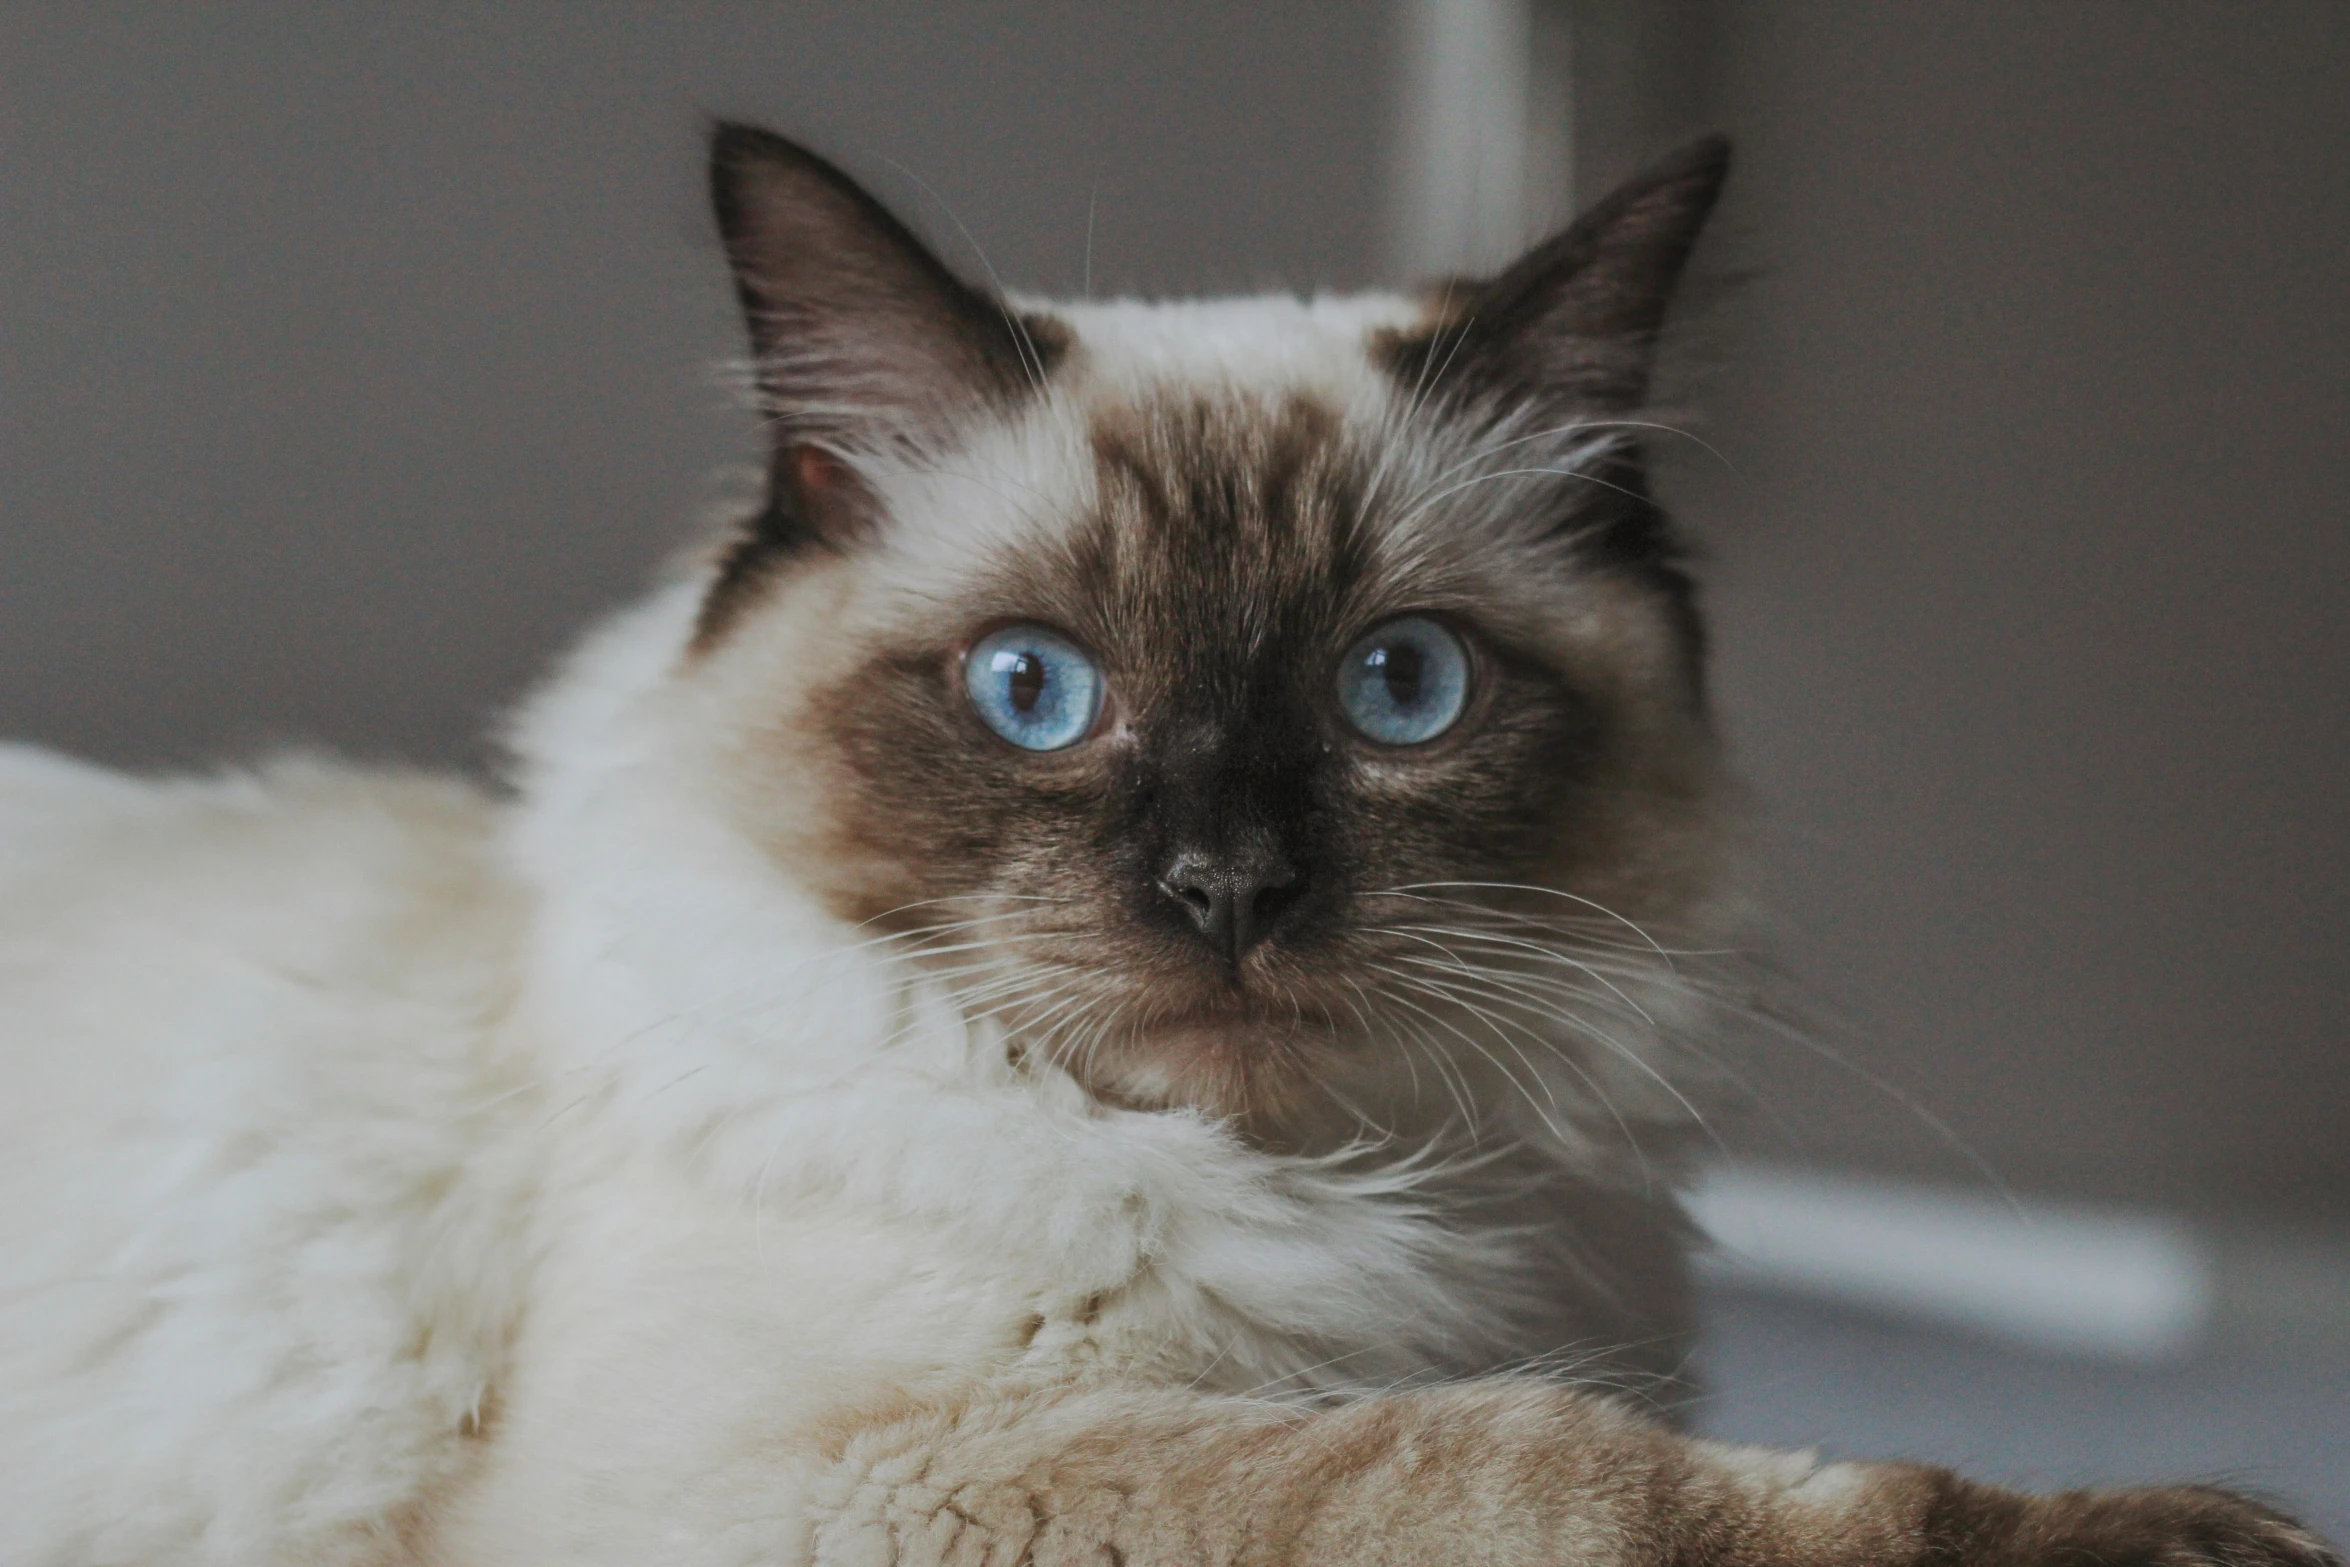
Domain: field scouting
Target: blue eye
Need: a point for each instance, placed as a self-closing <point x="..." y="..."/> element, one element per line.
<point x="1406" y="682"/>
<point x="1033" y="688"/>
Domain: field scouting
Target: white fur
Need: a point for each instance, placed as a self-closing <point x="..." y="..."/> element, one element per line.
<point x="395" y="1173"/>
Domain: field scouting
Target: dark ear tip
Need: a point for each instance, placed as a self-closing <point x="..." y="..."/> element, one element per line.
<point x="1710" y="152"/>
<point x="735" y="143"/>
<point x="1703" y="164"/>
<point x="746" y="158"/>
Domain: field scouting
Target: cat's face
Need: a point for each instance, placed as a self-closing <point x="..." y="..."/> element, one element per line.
<point x="1215" y="695"/>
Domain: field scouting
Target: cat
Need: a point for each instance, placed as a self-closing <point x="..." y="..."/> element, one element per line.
<point x="1096" y="983"/>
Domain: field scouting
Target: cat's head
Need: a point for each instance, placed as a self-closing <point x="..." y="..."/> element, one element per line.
<point x="1228" y="700"/>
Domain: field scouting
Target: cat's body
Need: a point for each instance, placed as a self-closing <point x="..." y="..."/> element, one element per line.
<point x="305" y="1220"/>
<point x="801" y="1125"/>
<point x="369" y="1157"/>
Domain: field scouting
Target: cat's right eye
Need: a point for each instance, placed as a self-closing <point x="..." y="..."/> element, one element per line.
<point x="1034" y="687"/>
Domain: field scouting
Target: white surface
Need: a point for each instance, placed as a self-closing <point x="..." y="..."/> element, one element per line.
<point x="1483" y="154"/>
<point x="2264" y="1416"/>
<point x="2083" y="1280"/>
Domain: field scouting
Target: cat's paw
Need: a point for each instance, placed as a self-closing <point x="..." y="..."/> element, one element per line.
<point x="2165" y="1526"/>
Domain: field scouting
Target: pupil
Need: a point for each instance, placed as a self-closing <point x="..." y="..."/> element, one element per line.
<point x="1402" y="664"/>
<point x="1027" y="681"/>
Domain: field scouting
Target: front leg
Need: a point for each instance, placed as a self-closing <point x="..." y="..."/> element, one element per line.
<point x="1494" y="1474"/>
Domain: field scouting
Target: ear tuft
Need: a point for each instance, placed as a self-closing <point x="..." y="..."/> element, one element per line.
<point x="860" y="336"/>
<point x="1574" y="321"/>
<point x="863" y="343"/>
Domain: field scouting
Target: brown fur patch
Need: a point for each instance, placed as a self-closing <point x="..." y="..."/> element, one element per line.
<point x="1229" y="558"/>
<point x="816" y="502"/>
<point x="1488" y="1474"/>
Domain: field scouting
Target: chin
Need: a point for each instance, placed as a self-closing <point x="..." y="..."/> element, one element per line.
<point x="1253" y="1065"/>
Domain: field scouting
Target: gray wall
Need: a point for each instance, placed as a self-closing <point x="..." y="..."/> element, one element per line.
<point x="2034" y="593"/>
<point x="351" y="356"/>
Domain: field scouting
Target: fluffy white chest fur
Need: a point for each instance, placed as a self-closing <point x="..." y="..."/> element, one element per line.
<point x="355" y="1121"/>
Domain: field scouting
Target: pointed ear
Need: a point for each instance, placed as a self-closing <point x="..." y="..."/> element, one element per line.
<point x="860" y="337"/>
<point x="862" y="342"/>
<point x="1574" y="321"/>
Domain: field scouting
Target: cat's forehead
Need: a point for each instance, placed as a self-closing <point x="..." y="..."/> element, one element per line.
<point x="1254" y="439"/>
<point x="1263" y="346"/>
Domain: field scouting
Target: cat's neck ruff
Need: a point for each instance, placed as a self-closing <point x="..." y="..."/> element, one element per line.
<point x="688" y="1001"/>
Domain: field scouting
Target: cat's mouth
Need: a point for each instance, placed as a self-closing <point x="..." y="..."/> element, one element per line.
<point x="1223" y="1031"/>
<point x="1150" y="1029"/>
<point x="1229" y="1059"/>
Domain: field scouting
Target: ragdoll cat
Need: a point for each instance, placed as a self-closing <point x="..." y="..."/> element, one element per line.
<point x="1081" y="992"/>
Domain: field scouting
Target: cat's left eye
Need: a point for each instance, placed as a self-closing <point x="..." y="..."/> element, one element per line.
<point x="1034" y="687"/>
<point x="1405" y="683"/>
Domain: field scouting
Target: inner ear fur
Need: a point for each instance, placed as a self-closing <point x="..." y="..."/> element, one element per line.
<point x="858" y="332"/>
<point x="863" y="343"/>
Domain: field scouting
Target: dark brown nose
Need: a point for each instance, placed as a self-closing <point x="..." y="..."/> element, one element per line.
<point x="1234" y="898"/>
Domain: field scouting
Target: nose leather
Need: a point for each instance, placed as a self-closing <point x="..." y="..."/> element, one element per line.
<point x="1234" y="896"/>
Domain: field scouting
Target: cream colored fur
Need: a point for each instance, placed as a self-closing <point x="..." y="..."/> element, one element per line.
<point x="399" y="1175"/>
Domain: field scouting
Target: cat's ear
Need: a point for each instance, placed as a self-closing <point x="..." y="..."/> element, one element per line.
<point x="1574" y="321"/>
<point x="861" y="338"/>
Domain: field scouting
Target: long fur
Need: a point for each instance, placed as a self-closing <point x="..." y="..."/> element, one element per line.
<point x="340" y="1103"/>
<point x="626" y="1169"/>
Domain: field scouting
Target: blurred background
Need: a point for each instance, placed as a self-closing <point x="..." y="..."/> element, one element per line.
<point x="352" y="357"/>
